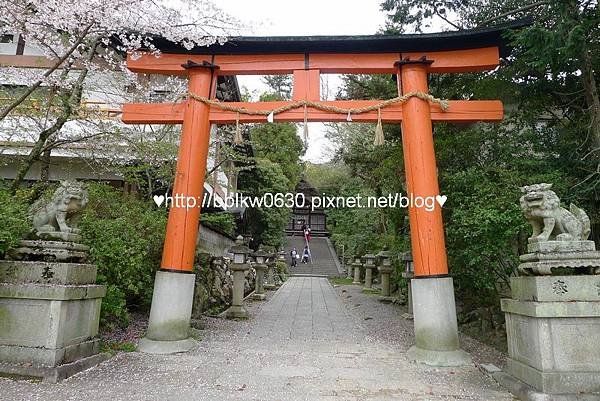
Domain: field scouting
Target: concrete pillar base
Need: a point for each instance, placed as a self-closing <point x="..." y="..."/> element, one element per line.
<point x="386" y="300"/>
<point x="438" y="358"/>
<point x="436" y="328"/>
<point x="270" y="286"/>
<point x="236" y="312"/>
<point x="165" y="347"/>
<point x="169" y="323"/>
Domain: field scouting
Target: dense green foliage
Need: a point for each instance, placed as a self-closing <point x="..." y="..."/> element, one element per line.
<point x="125" y="236"/>
<point x="224" y="222"/>
<point x="13" y="217"/>
<point x="265" y="224"/>
<point x="280" y="144"/>
<point x="275" y="169"/>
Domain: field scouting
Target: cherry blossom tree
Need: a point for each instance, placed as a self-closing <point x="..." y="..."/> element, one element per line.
<point x="86" y="37"/>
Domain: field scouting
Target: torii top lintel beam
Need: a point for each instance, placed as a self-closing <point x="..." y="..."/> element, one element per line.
<point x="459" y="51"/>
<point x="308" y="57"/>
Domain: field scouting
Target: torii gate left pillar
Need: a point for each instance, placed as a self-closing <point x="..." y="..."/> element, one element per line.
<point x="171" y="310"/>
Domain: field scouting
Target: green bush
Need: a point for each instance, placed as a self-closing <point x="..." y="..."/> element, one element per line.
<point x="266" y="225"/>
<point x="125" y="236"/>
<point x="224" y="222"/>
<point x="13" y="217"/>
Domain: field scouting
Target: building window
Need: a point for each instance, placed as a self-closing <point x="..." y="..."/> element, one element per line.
<point x="7" y="38"/>
<point x="159" y="95"/>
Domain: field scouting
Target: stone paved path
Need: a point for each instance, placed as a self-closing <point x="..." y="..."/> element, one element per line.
<point x="304" y="343"/>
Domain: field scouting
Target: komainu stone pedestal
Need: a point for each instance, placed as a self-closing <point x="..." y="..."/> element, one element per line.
<point x="553" y="328"/>
<point x="546" y="258"/>
<point x="49" y="316"/>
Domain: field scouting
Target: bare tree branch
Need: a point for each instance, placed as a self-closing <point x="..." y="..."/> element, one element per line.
<point x="517" y="10"/>
<point x="37" y="84"/>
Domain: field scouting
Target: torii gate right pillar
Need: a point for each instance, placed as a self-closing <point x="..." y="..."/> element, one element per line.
<point x="436" y="328"/>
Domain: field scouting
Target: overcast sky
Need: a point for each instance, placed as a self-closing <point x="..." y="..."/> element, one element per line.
<point x="308" y="17"/>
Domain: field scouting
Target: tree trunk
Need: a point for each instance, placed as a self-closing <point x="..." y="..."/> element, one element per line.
<point x="591" y="95"/>
<point x="37" y="150"/>
<point x="69" y="100"/>
<point x="45" y="167"/>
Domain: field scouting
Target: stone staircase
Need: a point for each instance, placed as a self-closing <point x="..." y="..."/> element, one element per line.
<point x="323" y="257"/>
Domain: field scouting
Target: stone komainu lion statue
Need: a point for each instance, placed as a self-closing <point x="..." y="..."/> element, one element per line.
<point x="57" y="214"/>
<point x="551" y="222"/>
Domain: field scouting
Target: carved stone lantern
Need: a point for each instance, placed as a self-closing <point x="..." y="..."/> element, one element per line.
<point x="408" y="274"/>
<point x="349" y="267"/>
<point x="238" y="267"/>
<point x="261" y="257"/>
<point x="271" y="271"/>
<point x="369" y="266"/>
<point x="385" y="270"/>
<point x="356" y="266"/>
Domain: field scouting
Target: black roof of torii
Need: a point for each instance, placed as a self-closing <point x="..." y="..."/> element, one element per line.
<point x="450" y="40"/>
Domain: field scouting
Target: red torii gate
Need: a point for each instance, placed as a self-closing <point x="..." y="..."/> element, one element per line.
<point x="410" y="57"/>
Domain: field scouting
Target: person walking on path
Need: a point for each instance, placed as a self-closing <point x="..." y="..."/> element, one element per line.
<point x="307" y="234"/>
<point x="305" y="254"/>
<point x="294" y="255"/>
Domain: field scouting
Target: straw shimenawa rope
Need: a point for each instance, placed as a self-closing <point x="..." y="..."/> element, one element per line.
<point x="379" y="138"/>
<point x="319" y="105"/>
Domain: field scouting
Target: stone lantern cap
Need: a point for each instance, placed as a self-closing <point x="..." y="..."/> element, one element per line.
<point x="240" y="247"/>
<point x="385" y="266"/>
<point x="384" y="254"/>
<point x="271" y="254"/>
<point x="261" y="253"/>
<point x="406" y="256"/>
<point x="370" y="259"/>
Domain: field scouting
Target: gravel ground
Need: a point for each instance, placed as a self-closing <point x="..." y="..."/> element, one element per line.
<point x="308" y="341"/>
<point x="138" y="323"/>
<point x="384" y="322"/>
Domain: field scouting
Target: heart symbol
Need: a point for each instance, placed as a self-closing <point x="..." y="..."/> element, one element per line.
<point x="159" y="199"/>
<point x="441" y="199"/>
